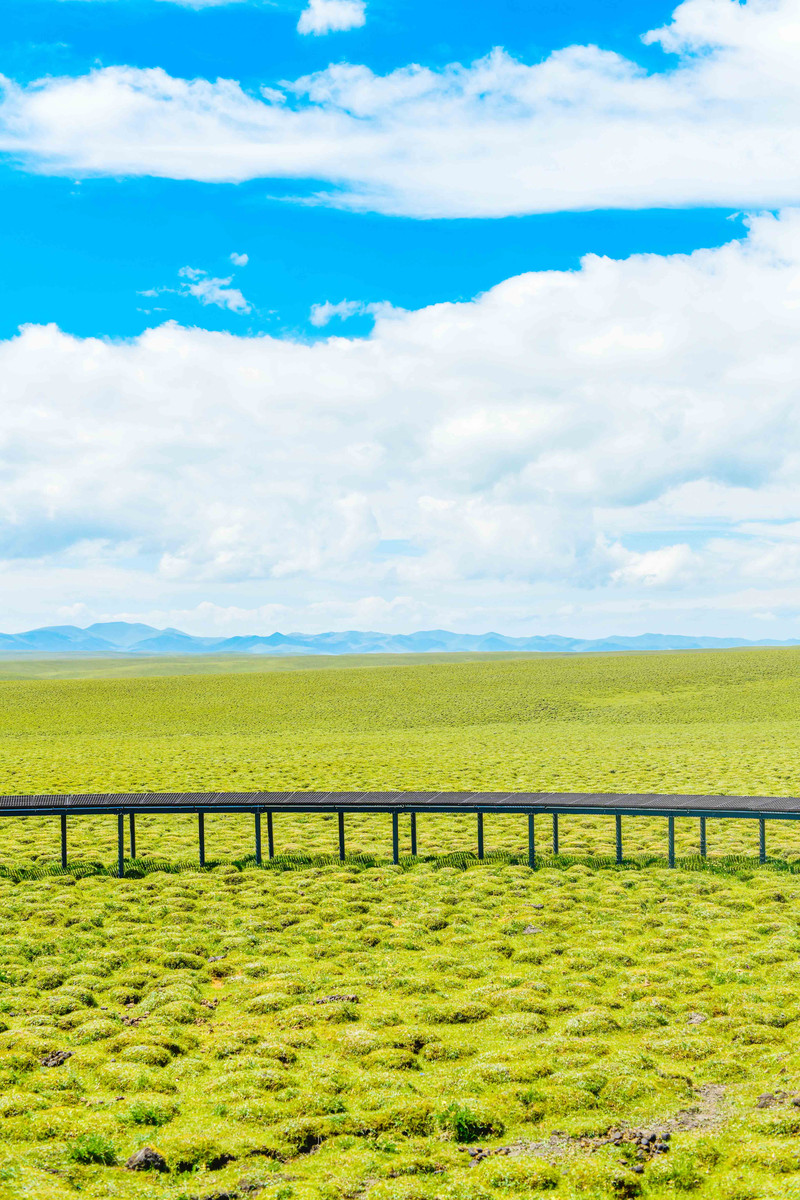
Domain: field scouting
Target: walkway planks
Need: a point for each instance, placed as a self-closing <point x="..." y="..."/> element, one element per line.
<point x="532" y="804"/>
<point x="596" y="803"/>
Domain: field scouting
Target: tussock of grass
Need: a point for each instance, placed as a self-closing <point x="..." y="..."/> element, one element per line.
<point x="443" y="1026"/>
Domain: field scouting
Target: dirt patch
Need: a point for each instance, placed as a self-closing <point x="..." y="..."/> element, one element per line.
<point x="707" y="1113"/>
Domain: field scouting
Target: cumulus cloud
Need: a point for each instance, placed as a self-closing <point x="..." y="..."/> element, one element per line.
<point x="239" y="260"/>
<point x="622" y="436"/>
<point x="329" y="16"/>
<point x="585" y="128"/>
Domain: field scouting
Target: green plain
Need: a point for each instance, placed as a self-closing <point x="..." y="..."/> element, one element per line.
<point x="698" y="723"/>
<point x="312" y="1030"/>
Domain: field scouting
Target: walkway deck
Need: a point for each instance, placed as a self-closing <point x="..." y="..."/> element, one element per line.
<point x="530" y="804"/>
<point x="609" y="803"/>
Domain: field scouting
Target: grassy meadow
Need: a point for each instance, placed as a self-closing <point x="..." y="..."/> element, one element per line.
<point x="441" y="1030"/>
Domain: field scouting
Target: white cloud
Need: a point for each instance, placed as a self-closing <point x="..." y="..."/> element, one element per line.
<point x="321" y="314"/>
<point x="206" y="288"/>
<point x="239" y="260"/>
<point x="620" y="440"/>
<point x="209" y="290"/>
<point x="330" y="16"/>
<point x="585" y="128"/>
<point x="656" y="568"/>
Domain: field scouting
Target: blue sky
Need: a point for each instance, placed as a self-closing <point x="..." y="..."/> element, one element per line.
<point x="81" y="254"/>
<point x="508" y="296"/>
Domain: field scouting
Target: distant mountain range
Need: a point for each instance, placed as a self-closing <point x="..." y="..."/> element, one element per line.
<point x="120" y="637"/>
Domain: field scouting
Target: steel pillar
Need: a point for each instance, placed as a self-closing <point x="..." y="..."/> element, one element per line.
<point x="120" y="845"/>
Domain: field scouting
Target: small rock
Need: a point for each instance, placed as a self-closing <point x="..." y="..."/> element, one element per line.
<point x="697" y="1018"/>
<point x="147" y="1159"/>
<point x="796" y="1101"/>
<point x="537" y="906"/>
<point x="337" y="1000"/>
<point x="766" y="1100"/>
<point x="56" y="1058"/>
<point x="531" y="929"/>
<point x="217" y="958"/>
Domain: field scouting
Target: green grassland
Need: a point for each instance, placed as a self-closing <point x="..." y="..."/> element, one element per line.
<point x="313" y="1030"/>
<point x="702" y="723"/>
<point x="190" y="1005"/>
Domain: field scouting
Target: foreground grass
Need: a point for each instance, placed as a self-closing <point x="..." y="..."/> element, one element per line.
<point x="457" y="1013"/>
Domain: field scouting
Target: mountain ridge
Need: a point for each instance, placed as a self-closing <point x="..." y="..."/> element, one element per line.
<point x="123" y="637"/>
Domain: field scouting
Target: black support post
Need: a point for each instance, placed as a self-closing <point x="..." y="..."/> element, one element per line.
<point x="671" y="840"/>
<point x="63" y="839"/>
<point x="395" y="839"/>
<point x="257" y="816"/>
<point x="341" y="837"/>
<point x="531" y="842"/>
<point x="414" y="834"/>
<point x="120" y="845"/>
<point x="132" y="833"/>
<point x="619" y="837"/>
<point x="702" y="837"/>
<point x="201" y="837"/>
<point x="270" y="837"/>
<point x="480" y="835"/>
<point x="555" y="833"/>
<point x="762" y="840"/>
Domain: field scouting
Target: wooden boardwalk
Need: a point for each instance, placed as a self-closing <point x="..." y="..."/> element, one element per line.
<point x="529" y="804"/>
